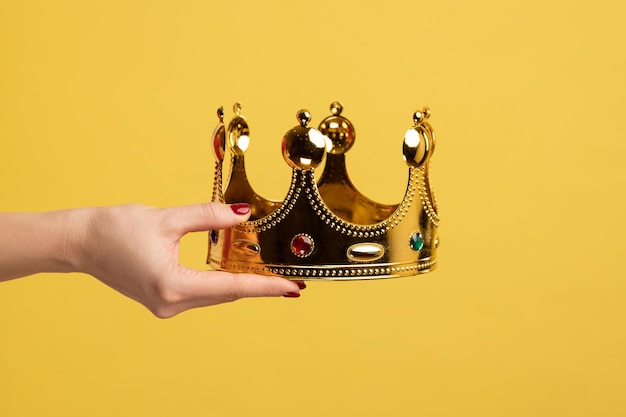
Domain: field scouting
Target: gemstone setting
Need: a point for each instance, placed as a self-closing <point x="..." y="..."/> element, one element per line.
<point x="302" y="245"/>
<point x="416" y="241"/>
<point x="365" y="252"/>
<point x="245" y="248"/>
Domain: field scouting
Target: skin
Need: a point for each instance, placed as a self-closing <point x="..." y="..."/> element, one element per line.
<point x="134" y="250"/>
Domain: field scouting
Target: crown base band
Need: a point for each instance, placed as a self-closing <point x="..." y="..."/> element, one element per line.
<point x="331" y="273"/>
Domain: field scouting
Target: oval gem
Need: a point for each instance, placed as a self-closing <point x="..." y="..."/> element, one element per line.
<point x="245" y="247"/>
<point x="213" y="234"/>
<point x="365" y="252"/>
<point x="416" y="241"/>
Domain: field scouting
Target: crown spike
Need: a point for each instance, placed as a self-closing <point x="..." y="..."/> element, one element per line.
<point x="237" y="187"/>
<point x="335" y="186"/>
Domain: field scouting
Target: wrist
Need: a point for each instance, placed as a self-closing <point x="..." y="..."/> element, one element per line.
<point x="76" y="224"/>
<point x="42" y="242"/>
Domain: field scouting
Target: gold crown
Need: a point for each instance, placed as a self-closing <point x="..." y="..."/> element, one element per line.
<point x="326" y="229"/>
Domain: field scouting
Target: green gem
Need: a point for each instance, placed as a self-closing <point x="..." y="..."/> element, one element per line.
<point x="416" y="241"/>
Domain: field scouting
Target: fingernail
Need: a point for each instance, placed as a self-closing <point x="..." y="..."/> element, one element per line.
<point x="301" y="284"/>
<point x="240" y="208"/>
<point x="291" y="294"/>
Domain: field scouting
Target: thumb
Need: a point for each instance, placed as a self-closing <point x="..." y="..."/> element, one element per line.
<point x="206" y="216"/>
<point x="208" y="287"/>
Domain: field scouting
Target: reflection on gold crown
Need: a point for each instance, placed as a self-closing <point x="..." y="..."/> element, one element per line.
<point x="325" y="229"/>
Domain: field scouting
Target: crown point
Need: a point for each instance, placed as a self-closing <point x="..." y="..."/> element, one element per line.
<point x="336" y="108"/>
<point x="237" y="108"/>
<point x="304" y="117"/>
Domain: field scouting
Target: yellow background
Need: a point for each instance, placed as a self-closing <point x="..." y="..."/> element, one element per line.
<point x="113" y="102"/>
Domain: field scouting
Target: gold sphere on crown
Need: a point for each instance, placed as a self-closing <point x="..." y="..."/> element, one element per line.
<point x="303" y="147"/>
<point x="338" y="129"/>
<point x="219" y="137"/>
<point x="239" y="132"/>
<point x="419" y="140"/>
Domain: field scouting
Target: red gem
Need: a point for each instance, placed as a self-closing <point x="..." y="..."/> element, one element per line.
<point x="302" y="245"/>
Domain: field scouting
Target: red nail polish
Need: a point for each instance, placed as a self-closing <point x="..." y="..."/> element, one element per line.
<point x="301" y="284"/>
<point x="291" y="294"/>
<point x="240" y="208"/>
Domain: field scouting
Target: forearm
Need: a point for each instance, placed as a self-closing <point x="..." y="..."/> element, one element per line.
<point x="39" y="242"/>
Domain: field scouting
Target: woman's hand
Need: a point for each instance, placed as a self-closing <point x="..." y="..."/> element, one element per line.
<point x="135" y="250"/>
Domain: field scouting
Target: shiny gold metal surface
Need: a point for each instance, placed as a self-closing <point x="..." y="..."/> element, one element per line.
<point x="326" y="230"/>
<point x="338" y="129"/>
<point x="303" y="147"/>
